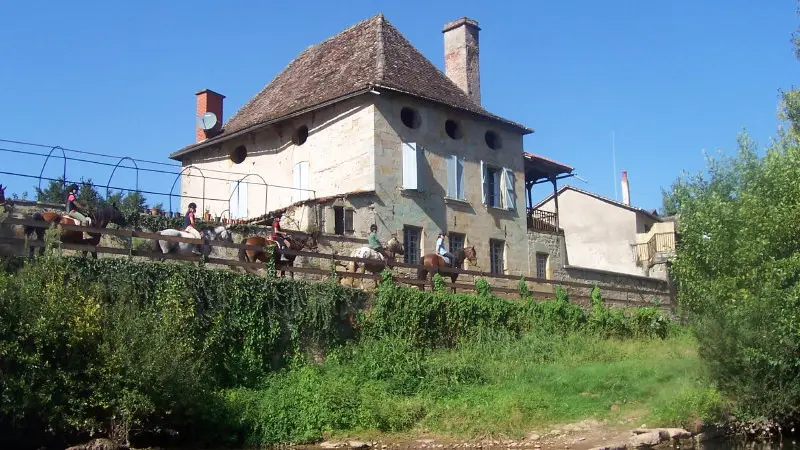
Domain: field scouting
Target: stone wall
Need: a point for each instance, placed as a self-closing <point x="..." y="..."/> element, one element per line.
<point x="338" y="150"/>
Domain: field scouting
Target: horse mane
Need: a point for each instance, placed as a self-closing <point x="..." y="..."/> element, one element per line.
<point x="105" y="214"/>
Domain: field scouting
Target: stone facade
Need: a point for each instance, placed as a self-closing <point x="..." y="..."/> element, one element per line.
<point x="432" y="207"/>
<point x="325" y="152"/>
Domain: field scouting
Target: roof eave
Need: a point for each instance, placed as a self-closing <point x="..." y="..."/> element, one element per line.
<point x="525" y="130"/>
<point x="225" y="137"/>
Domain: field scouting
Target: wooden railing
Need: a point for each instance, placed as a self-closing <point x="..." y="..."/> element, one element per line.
<point x="658" y="243"/>
<point x="541" y="286"/>
<point x="540" y="220"/>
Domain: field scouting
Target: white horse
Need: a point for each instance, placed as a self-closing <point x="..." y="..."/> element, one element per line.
<point x="219" y="233"/>
<point x="393" y="247"/>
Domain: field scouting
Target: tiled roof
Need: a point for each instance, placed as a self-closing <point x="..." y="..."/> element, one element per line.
<point x="370" y="54"/>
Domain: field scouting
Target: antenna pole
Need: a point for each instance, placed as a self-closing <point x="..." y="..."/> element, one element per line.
<point x="614" y="159"/>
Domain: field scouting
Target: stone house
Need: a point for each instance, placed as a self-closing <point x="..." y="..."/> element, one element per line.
<point x="361" y="129"/>
<point x="602" y="234"/>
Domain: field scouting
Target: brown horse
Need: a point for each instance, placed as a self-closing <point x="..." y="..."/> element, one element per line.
<point x="432" y="263"/>
<point x="99" y="219"/>
<point x="310" y="242"/>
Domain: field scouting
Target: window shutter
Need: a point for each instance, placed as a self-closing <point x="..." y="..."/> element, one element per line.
<point x="511" y="200"/>
<point x="410" y="159"/>
<point x="233" y="205"/>
<point x="305" y="194"/>
<point x="460" y="178"/>
<point x="452" y="176"/>
<point x="484" y="184"/>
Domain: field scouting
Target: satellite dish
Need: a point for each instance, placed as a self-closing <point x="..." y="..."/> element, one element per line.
<point x="207" y="121"/>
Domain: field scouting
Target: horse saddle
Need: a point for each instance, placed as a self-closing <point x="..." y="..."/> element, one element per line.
<point x="77" y="222"/>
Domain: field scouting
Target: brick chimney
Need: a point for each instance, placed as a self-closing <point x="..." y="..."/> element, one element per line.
<point x="209" y="101"/>
<point x="626" y="190"/>
<point x="461" y="56"/>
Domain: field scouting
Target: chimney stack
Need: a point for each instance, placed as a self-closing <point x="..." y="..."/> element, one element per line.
<point x="461" y="56"/>
<point x="626" y="190"/>
<point x="208" y="101"/>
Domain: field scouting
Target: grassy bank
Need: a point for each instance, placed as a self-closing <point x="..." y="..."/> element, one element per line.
<point x="498" y="386"/>
<point x="152" y="352"/>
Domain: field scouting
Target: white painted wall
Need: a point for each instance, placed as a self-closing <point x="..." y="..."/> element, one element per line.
<point x="598" y="234"/>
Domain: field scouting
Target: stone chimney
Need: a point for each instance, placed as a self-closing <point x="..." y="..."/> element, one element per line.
<point x="461" y="56"/>
<point x="208" y="101"/>
<point x="626" y="190"/>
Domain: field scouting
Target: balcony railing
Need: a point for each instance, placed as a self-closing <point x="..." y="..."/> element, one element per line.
<point x="542" y="220"/>
<point x="658" y="243"/>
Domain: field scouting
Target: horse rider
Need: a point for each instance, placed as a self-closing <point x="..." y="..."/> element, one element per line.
<point x="75" y="208"/>
<point x="375" y="244"/>
<point x="441" y="250"/>
<point x="279" y="237"/>
<point x="189" y="223"/>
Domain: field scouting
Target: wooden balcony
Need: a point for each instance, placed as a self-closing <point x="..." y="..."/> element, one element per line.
<point x="660" y="244"/>
<point x="539" y="220"/>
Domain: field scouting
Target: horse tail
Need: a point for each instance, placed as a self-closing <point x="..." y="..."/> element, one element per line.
<point x="242" y="254"/>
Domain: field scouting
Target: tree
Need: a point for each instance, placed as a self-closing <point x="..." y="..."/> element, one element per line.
<point x="133" y="203"/>
<point x="57" y="190"/>
<point x="737" y="269"/>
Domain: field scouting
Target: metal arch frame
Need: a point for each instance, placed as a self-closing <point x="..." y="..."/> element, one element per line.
<point x="64" y="172"/>
<point x="238" y="183"/>
<point x="136" y="166"/>
<point x="203" y="207"/>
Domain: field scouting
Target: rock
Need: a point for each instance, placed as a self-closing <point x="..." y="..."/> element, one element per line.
<point x="425" y="441"/>
<point x="554" y="432"/>
<point x="678" y="433"/>
<point x="328" y="444"/>
<point x="651" y="439"/>
<point x="532" y="437"/>
<point x="357" y="444"/>
<point x="97" y="444"/>
<point x="618" y="446"/>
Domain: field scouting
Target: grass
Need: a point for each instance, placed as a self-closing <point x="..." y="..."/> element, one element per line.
<point x="496" y="386"/>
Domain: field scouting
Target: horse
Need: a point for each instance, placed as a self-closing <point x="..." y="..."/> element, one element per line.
<point x="219" y="233"/>
<point x="310" y="242"/>
<point x="432" y="263"/>
<point x="393" y="246"/>
<point x="99" y="218"/>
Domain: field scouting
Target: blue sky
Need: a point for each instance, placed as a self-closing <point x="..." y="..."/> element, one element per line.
<point x="668" y="78"/>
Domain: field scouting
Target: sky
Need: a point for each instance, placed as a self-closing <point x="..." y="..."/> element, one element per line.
<point x="667" y="79"/>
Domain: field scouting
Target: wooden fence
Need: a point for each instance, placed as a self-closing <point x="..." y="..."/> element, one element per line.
<point x="538" y="286"/>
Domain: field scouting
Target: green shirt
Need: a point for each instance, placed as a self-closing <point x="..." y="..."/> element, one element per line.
<point x="373" y="241"/>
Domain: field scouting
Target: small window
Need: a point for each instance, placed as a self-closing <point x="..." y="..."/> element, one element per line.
<point x="496" y="257"/>
<point x="411" y="241"/>
<point x="300" y="135"/>
<point x="493" y="140"/>
<point x="239" y="154"/>
<point x="452" y="129"/>
<point x="541" y="265"/>
<point x="342" y="220"/>
<point x="410" y="117"/>
<point x="456" y="242"/>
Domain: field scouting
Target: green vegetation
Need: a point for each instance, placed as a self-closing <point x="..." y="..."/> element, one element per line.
<point x="148" y="350"/>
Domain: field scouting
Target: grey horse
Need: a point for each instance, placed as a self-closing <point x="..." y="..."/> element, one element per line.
<point x="219" y="233"/>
